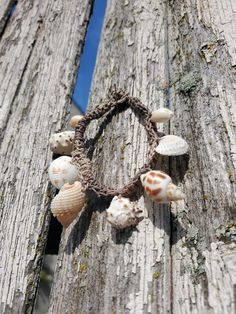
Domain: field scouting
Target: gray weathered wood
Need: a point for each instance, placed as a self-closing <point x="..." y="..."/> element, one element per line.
<point x="202" y="56"/>
<point x="39" y="54"/>
<point x="5" y="7"/>
<point x="188" y="63"/>
<point x="176" y="53"/>
<point x="100" y="270"/>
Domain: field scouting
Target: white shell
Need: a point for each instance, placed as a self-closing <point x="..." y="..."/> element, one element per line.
<point x="62" y="143"/>
<point x="159" y="187"/>
<point x="174" y="193"/>
<point x="75" y="120"/>
<point x="62" y="171"/>
<point x="123" y="213"/>
<point x="68" y="203"/>
<point x="172" y="145"/>
<point x="161" y="115"/>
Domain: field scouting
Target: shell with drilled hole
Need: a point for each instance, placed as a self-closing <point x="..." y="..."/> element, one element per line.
<point x="68" y="203"/>
<point x="75" y="120"/>
<point x="159" y="187"/>
<point x="123" y="213"/>
<point x="62" y="171"/>
<point x="62" y="143"/>
<point x="161" y="115"/>
<point x="172" y="145"/>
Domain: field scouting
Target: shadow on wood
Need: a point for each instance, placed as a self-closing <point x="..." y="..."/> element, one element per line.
<point x="179" y="167"/>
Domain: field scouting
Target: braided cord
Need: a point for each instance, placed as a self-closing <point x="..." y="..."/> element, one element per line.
<point x="89" y="181"/>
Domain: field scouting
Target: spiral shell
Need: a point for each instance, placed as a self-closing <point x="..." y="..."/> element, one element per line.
<point x="159" y="187"/>
<point x="172" y="145"/>
<point x="123" y="213"/>
<point x="62" y="171"/>
<point x="68" y="203"/>
<point x="62" y="143"/>
<point x="161" y="115"/>
<point x="75" y="120"/>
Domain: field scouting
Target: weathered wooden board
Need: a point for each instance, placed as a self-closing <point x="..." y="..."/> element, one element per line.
<point x="202" y="58"/>
<point x="5" y="9"/>
<point x="39" y="54"/>
<point x="100" y="270"/>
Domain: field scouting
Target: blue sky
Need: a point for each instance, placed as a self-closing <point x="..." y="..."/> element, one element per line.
<point x="88" y="58"/>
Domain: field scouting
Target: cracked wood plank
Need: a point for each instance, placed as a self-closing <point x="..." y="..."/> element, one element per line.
<point x="39" y="55"/>
<point x="193" y="63"/>
<point x="202" y="94"/>
<point x="18" y="42"/>
<point x="100" y="270"/>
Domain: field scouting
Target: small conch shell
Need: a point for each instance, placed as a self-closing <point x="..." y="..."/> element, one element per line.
<point x="62" y="171"/>
<point x="161" y="115"/>
<point x="62" y="143"/>
<point x="123" y="213"/>
<point x="172" y="145"/>
<point x="68" y="203"/>
<point x="159" y="187"/>
<point x="75" y="120"/>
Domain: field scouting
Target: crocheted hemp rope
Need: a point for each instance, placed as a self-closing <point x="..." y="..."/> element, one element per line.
<point x="89" y="181"/>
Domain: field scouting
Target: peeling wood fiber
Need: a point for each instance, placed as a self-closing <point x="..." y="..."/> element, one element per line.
<point x="179" y="54"/>
<point x="39" y="54"/>
<point x="182" y="257"/>
<point x="202" y="94"/>
<point x="5" y="9"/>
<point x="100" y="270"/>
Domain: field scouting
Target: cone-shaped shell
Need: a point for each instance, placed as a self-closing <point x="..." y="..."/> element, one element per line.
<point x="62" y="171"/>
<point x="174" y="193"/>
<point x="159" y="187"/>
<point x="172" y="145"/>
<point x="68" y="203"/>
<point x="62" y="143"/>
<point x="123" y="213"/>
<point x="161" y="115"/>
<point x="75" y="120"/>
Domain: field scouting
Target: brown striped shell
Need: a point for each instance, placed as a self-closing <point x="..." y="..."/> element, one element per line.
<point x="159" y="187"/>
<point x="68" y="203"/>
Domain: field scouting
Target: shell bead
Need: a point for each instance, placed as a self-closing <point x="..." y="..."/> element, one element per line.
<point x="159" y="187"/>
<point x="62" y="171"/>
<point x="123" y="213"/>
<point x="75" y="120"/>
<point x="172" y="145"/>
<point x="161" y="115"/>
<point x="68" y="203"/>
<point x="62" y="143"/>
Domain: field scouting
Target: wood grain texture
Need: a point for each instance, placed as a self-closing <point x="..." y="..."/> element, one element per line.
<point x="5" y="8"/>
<point x="17" y="45"/>
<point x="39" y="54"/>
<point x="188" y="64"/>
<point x="202" y="94"/>
<point x="100" y="270"/>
